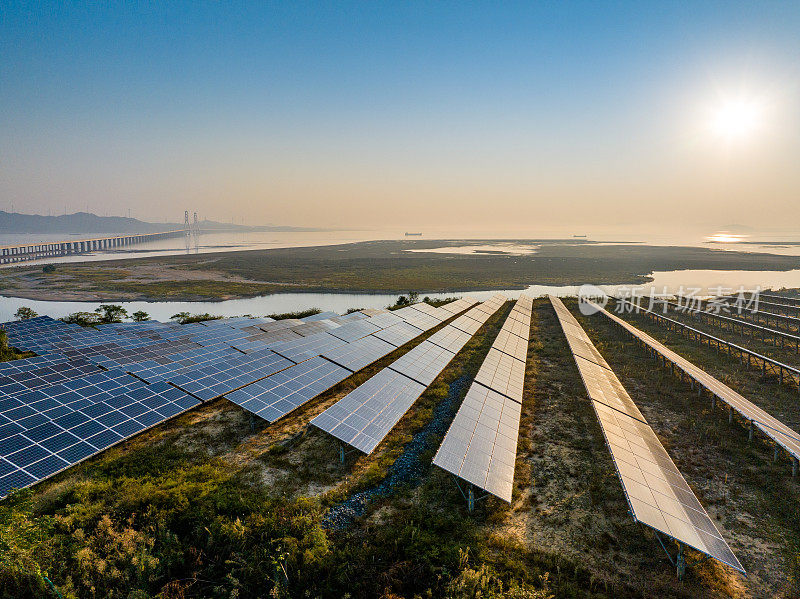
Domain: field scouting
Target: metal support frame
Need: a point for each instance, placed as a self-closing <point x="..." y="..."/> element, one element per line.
<point x="343" y="453"/>
<point x="469" y="495"/>
<point x="679" y="562"/>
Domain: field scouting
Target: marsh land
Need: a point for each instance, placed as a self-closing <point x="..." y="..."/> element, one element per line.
<point x="370" y="267"/>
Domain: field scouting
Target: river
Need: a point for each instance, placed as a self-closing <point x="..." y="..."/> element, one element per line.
<point x="671" y="281"/>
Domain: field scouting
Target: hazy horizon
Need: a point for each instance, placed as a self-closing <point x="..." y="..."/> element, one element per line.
<point x="600" y="118"/>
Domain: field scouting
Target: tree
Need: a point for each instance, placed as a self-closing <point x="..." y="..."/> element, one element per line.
<point x="140" y="316"/>
<point x="25" y="313"/>
<point x="84" y="319"/>
<point x="180" y="316"/>
<point x="111" y="313"/>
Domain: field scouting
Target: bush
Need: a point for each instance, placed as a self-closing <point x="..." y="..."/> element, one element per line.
<point x="84" y="319"/>
<point x="25" y="313"/>
<point x="49" y="268"/>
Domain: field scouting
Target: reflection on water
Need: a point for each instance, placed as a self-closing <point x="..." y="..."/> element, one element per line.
<point x="726" y="237"/>
<point x="671" y="281"/>
<point x="254" y="240"/>
<point x="507" y="249"/>
<point x="202" y="243"/>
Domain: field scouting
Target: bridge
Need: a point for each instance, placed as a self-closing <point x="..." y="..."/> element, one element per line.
<point x="20" y="253"/>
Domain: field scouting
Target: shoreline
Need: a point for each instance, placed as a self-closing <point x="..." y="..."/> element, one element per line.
<point x="366" y="268"/>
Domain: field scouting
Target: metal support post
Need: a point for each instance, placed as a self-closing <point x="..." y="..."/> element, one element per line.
<point x="680" y="562"/>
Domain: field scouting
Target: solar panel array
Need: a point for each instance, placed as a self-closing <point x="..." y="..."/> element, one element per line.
<point x="274" y="397"/>
<point x="365" y="416"/>
<point x="766" y="423"/>
<point x="47" y="430"/>
<point x="480" y="446"/>
<point x="92" y="387"/>
<point x="656" y="492"/>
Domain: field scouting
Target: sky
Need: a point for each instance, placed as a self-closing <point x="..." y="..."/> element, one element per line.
<point x="524" y="118"/>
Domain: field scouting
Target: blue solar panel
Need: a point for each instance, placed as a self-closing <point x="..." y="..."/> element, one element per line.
<point x="276" y="396"/>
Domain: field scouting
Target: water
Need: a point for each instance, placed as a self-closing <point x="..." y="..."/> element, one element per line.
<point x="202" y="243"/>
<point x="228" y="241"/>
<point x="674" y="281"/>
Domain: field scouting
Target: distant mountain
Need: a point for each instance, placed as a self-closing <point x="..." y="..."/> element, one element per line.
<point x="82" y="223"/>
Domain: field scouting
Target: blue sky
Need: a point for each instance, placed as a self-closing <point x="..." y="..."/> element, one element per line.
<point x="337" y="113"/>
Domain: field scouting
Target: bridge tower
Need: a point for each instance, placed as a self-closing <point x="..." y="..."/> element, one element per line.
<point x="186" y="227"/>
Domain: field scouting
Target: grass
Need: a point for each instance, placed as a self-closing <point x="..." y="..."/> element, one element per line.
<point x="203" y="506"/>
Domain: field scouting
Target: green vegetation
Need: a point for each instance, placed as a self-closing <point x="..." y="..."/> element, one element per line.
<point x="203" y="506"/>
<point x="49" y="269"/>
<point x="296" y="314"/>
<point x="111" y="313"/>
<point x="7" y="352"/>
<point x="84" y="319"/>
<point x="140" y="316"/>
<point x="186" y="318"/>
<point x="25" y="313"/>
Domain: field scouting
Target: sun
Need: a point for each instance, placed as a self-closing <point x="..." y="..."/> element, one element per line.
<point x="736" y="119"/>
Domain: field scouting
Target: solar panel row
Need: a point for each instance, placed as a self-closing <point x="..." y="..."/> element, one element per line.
<point x="773" y="428"/>
<point x="59" y="408"/>
<point x="364" y="417"/>
<point x="480" y="446"/>
<point x="53" y="428"/>
<point x="656" y="492"/>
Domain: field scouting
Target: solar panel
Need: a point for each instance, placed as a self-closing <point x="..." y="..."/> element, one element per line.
<point x="511" y="344"/>
<point x="320" y="316"/>
<point x="431" y="311"/>
<point x="355" y="330"/>
<point x="423" y="363"/>
<point x="299" y="350"/>
<point x="349" y="317"/>
<point x="656" y="492"/>
<point x="12" y="383"/>
<point x="419" y="319"/>
<point x="277" y="325"/>
<point x="398" y="334"/>
<point x="502" y="373"/>
<point x="221" y="377"/>
<point x="36" y="453"/>
<point x="366" y="415"/>
<point x="360" y="353"/>
<point x="384" y="320"/>
<point x="277" y="395"/>
<point x="481" y="444"/>
<point x="468" y="324"/>
<point x="773" y="428"/>
<point x="373" y="311"/>
<point x="314" y="327"/>
<point x="450" y="338"/>
<point x="459" y="305"/>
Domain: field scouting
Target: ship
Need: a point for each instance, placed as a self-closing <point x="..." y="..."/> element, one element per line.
<point x="413" y="234"/>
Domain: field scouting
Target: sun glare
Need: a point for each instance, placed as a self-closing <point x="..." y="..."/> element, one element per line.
<point x="725" y="237"/>
<point x="737" y="119"/>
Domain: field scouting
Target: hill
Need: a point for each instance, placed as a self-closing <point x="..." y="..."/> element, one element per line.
<point x="81" y="223"/>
